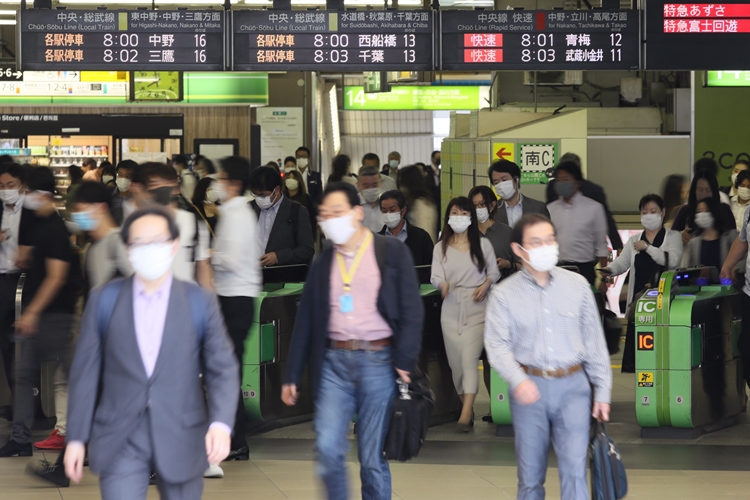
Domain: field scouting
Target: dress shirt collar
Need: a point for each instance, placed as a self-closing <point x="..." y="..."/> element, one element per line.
<point x="573" y="200"/>
<point x="139" y="288"/>
<point x="531" y="279"/>
<point x="275" y="206"/>
<point x="519" y="204"/>
<point x="16" y="207"/>
<point x="403" y="229"/>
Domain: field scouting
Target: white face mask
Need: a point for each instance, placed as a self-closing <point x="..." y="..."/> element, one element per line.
<point x="211" y="195"/>
<point x="734" y="178"/>
<point x="459" y="223"/>
<point x="543" y="258"/>
<point x="339" y="229"/>
<point x="651" y="222"/>
<point x="106" y="179"/>
<point x="371" y="195"/>
<point x="704" y="220"/>
<point x="743" y="193"/>
<point x="34" y="200"/>
<point x="123" y="184"/>
<point x="393" y="164"/>
<point x="219" y="191"/>
<point x="291" y="184"/>
<point x="392" y="220"/>
<point x="483" y="215"/>
<point x="302" y="163"/>
<point x="153" y="261"/>
<point x="10" y="196"/>
<point x="505" y="189"/>
<point x="264" y="202"/>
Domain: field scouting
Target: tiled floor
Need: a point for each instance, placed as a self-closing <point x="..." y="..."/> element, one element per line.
<point x="454" y="466"/>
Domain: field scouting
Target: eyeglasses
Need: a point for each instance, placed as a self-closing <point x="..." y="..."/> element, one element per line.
<point x="538" y="242"/>
<point x="139" y="244"/>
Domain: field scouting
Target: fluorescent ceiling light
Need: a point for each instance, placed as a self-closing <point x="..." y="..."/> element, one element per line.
<point x="308" y="2"/>
<point x="259" y="2"/>
<point x="8" y="22"/>
<point x="145" y="2"/>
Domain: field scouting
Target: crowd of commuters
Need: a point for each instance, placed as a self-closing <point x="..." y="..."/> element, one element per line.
<point x="160" y="240"/>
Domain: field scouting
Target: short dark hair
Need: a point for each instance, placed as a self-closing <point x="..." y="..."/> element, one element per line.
<point x="742" y="176"/>
<point x="504" y="167"/>
<point x="571" y="157"/>
<point x="488" y="195"/>
<point x="432" y="156"/>
<point x="14" y="170"/>
<point x="89" y="161"/>
<point x="153" y="209"/>
<point x="303" y="148"/>
<point x="140" y="174"/>
<point x="528" y="220"/>
<point x="180" y="159"/>
<point x="393" y="194"/>
<point x="6" y="159"/>
<point x="265" y="179"/>
<point x="75" y="173"/>
<point x="349" y="191"/>
<point x="721" y="223"/>
<point x="40" y="179"/>
<point x="127" y="165"/>
<point x="572" y="168"/>
<point x="92" y="192"/>
<point x="371" y="156"/>
<point x="237" y="169"/>
<point x="160" y="171"/>
<point x="651" y="198"/>
<point x="290" y="159"/>
<point x="706" y="164"/>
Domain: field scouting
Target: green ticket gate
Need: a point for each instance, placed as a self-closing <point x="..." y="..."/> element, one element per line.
<point x="688" y="372"/>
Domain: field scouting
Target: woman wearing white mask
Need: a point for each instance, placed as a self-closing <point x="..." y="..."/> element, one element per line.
<point x="294" y="189"/>
<point x="739" y="202"/>
<point x="463" y="269"/>
<point x="499" y="234"/>
<point x="646" y="254"/>
<point x="739" y="166"/>
<point x="715" y="236"/>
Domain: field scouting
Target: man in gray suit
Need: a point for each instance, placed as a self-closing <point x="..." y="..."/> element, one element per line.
<point x="506" y="178"/>
<point x="136" y="396"/>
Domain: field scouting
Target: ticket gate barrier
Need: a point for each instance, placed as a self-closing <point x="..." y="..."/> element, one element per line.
<point x="688" y="370"/>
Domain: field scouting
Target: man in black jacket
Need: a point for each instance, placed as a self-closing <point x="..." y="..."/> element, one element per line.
<point x="593" y="191"/>
<point x="360" y="324"/>
<point x="393" y="207"/>
<point x="312" y="179"/>
<point x="284" y="232"/>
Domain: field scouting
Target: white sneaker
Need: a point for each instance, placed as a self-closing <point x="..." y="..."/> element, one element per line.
<point x="214" y="471"/>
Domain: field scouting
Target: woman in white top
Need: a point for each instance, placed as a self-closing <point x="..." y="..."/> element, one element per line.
<point x="422" y="212"/>
<point x="644" y="255"/>
<point x="463" y="269"/>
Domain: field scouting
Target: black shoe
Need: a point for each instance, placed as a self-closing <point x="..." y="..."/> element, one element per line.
<point x="51" y="473"/>
<point x="16" y="449"/>
<point x="152" y="479"/>
<point x="241" y="453"/>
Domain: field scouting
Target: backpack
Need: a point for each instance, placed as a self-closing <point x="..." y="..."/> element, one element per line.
<point x="111" y="291"/>
<point x="608" y="478"/>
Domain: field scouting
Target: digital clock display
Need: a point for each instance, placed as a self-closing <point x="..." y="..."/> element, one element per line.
<point x="123" y="40"/>
<point x="697" y="36"/>
<point x="540" y="40"/>
<point x="333" y="40"/>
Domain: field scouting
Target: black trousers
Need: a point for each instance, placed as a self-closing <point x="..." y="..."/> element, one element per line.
<point x="8" y="283"/>
<point x="238" y="316"/>
<point x="585" y="268"/>
<point x="628" y="354"/>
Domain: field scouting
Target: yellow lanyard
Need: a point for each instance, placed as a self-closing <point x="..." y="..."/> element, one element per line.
<point x="347" y="277"/>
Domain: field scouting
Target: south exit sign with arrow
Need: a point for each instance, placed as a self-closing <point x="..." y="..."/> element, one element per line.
<point x="503" y="151"/>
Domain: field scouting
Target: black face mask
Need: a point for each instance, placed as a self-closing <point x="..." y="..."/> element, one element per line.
<point x="437" y="162"/>
<point x="162" y="195"/>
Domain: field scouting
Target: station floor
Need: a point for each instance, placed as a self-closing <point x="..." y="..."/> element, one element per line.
<point x="453" y="466"/>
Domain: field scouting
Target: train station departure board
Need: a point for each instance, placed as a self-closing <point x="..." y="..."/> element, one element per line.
<point x="697" y="36"/>
<point x="540" y="40"/>
<point x="332" y="40"/>
<point x="180" y="40"/>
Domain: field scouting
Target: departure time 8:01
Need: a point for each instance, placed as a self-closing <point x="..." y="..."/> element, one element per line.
<point x="540" y="54"/>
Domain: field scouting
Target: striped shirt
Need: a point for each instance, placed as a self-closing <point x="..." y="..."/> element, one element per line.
<point x="552" y="327"/>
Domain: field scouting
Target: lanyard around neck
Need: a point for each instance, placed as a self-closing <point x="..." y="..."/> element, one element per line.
<point x="347" y="277"/>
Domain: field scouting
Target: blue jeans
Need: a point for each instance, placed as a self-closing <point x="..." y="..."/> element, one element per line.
<point x="361" y="382"/>
<point x="563" y="412"/>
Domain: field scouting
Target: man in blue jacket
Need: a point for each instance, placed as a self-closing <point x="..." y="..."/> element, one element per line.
<point x="360" y="325"/>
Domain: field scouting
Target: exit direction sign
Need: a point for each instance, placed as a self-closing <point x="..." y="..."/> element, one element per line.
<point x="10" y="75"/>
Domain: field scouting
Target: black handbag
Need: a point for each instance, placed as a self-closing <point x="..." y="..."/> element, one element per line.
<point x="410" y="417"/>
<point x="608" y="478"/>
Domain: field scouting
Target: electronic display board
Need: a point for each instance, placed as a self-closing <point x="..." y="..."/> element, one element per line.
<point x="139" y="40"/>
<point x="332" y="40"/>
<point x="697" y="36"/>
<point x="540" y="40"/>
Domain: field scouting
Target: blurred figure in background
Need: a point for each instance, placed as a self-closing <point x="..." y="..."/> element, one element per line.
<point x="89" y="168"/>
<point x="394" y="160"/>
<point x="713" y="238"/>
<point x="340" y="167"/>
<point x="205" y="202"/>
<point x="204" y="167"/>
<point x="294" y="189"/>
<point x="185" y="176"/>
<point x="290" y="163"/>
<point x="310" y="178"/>
<point x="709" y="165"/>
<point x="369" y="186"/>
<point x="674" y="193"/>
<point x="740" y="201"/>
<point x="704" y="185"/>
<point x="421" y="208"/>
<point x="739" y="166"/>
<point x="386" y="181"/>
<point x="108" y="174"/>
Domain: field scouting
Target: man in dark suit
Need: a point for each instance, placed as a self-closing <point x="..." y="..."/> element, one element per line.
<point x="15" y="221"/>
<point x="136" y="395"/>
<point x="360" y="325"/>
<point x="506" y="178"/>
<point x="311" y="178"/>
<point x="593" y="191"/>
<point x="393" y="207"/>
<point x="284" y="232"/>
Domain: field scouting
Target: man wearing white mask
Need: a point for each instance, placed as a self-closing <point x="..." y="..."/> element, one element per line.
<point x="359" y="324"/>
<point x="237" y="275"/>
<point x="146" y="340"/>
<point x="550" y="387"/>
<point x="506" y="178"/>
<point x="393" y="209"/>
<point x="369" y="186"/>
<point x="741" y="200"/>
<point x="15" y="219"/>
<point x="122" y="193"/>
<point x="394" y="160"/>
<point x="309" y="177"/>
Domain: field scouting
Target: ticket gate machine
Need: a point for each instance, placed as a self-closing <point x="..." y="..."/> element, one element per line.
<point x="688" y="370"/>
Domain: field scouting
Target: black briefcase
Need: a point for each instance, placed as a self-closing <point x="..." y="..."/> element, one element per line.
<point x="608" y="478"/>
<point x="410" y="417"/>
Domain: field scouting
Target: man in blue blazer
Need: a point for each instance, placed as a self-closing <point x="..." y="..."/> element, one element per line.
<point x="359" y="324"/>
